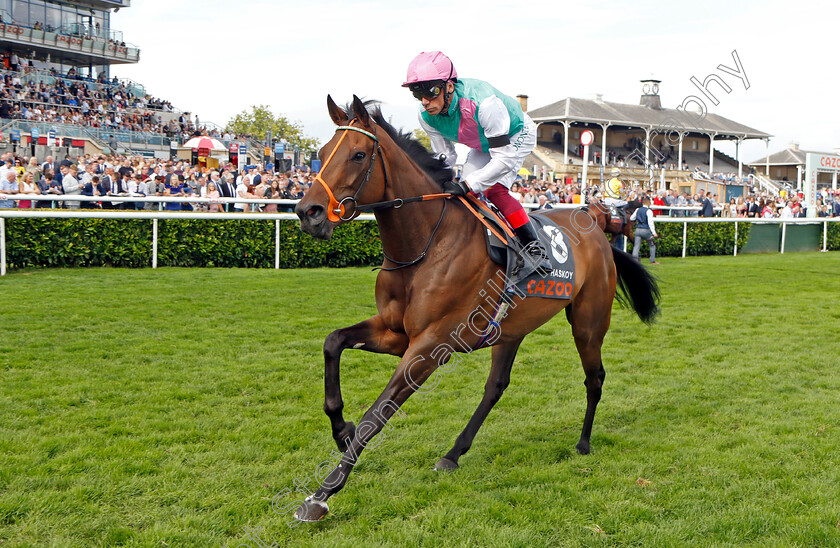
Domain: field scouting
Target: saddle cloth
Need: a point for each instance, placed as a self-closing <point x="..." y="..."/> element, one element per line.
<point x="523" y="279"/>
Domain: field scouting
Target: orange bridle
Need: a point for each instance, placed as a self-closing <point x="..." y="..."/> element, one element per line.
<point x="336" y="209"/>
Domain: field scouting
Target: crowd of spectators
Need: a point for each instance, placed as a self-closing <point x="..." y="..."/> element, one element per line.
<point x="118" y="176"/>
<point x="110" y="175"/>
<point x="46" y="96"/>
<point x="93" y="103"/>
<point x="755" y="204"/>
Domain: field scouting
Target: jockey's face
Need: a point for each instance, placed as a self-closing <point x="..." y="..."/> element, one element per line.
<point x="435" y="106"/>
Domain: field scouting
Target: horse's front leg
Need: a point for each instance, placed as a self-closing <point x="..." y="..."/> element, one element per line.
<point x="415" y="367"/>
<point x="371" y="335"/>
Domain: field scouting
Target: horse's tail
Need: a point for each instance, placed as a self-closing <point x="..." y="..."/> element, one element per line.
<point x="638" y="287"/>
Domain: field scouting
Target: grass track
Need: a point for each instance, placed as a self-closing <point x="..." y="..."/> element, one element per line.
<point x="173" y="417"/>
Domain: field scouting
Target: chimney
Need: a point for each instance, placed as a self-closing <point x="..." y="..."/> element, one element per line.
<point x="599" y="97"/>
<point x="523" y="102"/>
<point x="793" y="145"/>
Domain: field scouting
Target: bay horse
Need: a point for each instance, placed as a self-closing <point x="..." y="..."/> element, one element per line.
<point x="430" y="292"/>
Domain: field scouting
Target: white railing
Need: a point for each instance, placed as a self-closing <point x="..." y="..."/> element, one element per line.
<point x="141" y="199"/>
<point x="154" y="216"/>
<point x="773" y="221"/>
<point x="765" y="183"/>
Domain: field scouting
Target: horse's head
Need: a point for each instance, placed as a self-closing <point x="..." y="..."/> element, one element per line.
<point x="348" y="173"/>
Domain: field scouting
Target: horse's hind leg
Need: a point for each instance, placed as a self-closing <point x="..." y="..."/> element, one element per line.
<point x="497" y="381"/>
<point x="589" y="326"/>
<point x="370" y="335"/>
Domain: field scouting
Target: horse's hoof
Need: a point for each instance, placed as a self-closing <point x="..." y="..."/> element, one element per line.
<point x="446" y="464"/>
<point x="583" y="448"/>
<point x="312" y="510"/>
<point x="346" y="436"/>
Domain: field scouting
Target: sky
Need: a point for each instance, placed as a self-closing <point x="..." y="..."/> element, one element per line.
<point x="216" y="59"/>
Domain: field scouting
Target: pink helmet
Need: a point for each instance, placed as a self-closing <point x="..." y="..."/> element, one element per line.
<point x="429" y="66"/>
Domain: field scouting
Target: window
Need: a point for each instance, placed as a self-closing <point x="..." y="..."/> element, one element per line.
<point x="694" y="144"/>
<point x="20" y="13"/>
<point x="53" y="18"/>
<point x="6" y="7"/>
<point x="37" y="12"/>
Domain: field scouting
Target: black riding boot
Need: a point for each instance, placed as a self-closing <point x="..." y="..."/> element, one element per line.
<point x="534" y="251"/>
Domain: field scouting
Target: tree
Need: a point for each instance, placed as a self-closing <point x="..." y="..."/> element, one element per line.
<point x="423" y="138"/>
<point x="260" y="120"/>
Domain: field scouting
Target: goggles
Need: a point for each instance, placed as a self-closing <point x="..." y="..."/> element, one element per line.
<point x="427" y="90"/>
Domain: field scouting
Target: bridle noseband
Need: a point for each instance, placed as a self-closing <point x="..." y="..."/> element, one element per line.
<point x="336" y="209"/>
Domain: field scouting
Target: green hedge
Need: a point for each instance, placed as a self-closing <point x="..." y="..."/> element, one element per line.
<point x="234" y="243"/>
<point x="701" y="239"/>
<point x="200" y="242"/>
<point x="833" y="237"/>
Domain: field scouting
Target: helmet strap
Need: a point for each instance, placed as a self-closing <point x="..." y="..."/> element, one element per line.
<point x="447" y="98"/>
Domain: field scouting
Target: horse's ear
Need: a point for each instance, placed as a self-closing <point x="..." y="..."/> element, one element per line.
<point x="336" y="113"/>
<point x="360" y="111"/>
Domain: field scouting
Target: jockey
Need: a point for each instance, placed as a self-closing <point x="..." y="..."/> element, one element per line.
<point x="493" y="125"/>
<point x="613" y="190"/>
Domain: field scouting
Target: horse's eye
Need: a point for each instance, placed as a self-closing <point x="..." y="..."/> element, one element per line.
<point x="359" y="156"/>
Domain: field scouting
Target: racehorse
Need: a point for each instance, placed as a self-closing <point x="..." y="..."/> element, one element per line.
<point x="433" y="282"/>
<point x="613" y="227"/>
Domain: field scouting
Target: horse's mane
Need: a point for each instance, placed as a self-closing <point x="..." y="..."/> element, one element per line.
<point x="434" y="167"/>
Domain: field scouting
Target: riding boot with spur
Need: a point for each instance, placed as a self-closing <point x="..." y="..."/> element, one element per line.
<point x="533" y="251"/>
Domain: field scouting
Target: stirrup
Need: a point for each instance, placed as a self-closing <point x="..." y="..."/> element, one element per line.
<point x="536" y="256"/>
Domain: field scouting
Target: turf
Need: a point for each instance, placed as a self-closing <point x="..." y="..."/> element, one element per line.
<point x="170" y="407"/>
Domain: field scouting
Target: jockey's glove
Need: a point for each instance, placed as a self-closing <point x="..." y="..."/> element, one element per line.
<point x="459" y="188"/>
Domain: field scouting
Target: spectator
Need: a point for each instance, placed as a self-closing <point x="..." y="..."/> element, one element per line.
<point x="242" y="192"/>
<point x="767" y="209"/>
<point x="272" y="193"/>
<point x="33" y="168"/>
<point x="213" y="194"/>
<point x="48" y="165"/>
<point x="227" y="189"/>
<point x="691" y="201"/>
<point x="754" y="210"/>
<point x="682" y="201"/>
<point x="787" y="211"/>
<point x="671" y="200"/>
<point x="530" y="196"/>
<point x="70" y="185"/>
<point x="27" y="186"/>
<point x="173" y="187"/>
<point x="706" y="209"/>
<point x="8" y="185"/>
<point x="45" y="186"/>
<point x="19" y="169"/>
<point x="91" y="188"/>
<point x="516" y="192"/>
<point x="740" y="207"/>
<point x="660" y="201"/>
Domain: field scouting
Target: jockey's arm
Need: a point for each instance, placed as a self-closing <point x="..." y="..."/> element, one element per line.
<point x="440" y="145"/>
<point x="495" y="120"/>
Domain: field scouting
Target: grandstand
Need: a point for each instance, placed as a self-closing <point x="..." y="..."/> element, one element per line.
<point x="58" y="96"/>
<point x="786" y="168"/>
<point x="632" y="136"/>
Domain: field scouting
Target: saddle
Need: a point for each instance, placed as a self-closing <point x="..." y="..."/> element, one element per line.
<point x="521" y="276"/>
<point x="618" y="216"/>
